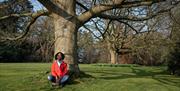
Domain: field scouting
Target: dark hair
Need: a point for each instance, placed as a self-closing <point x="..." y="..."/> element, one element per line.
<point x="62" y="55"/>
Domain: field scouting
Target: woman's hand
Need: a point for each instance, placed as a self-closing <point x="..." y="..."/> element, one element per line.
<point x="58" y="79"/>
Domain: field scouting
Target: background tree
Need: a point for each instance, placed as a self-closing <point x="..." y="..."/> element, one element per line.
<point x="12" y="27"/>
<point x="37" y="46"/>
<point x="41" y="37"/>
<point x="174" y="55"/>
<point x="87" y="47"/>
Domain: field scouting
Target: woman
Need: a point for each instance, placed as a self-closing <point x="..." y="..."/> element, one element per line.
<point x="59" y="73"/>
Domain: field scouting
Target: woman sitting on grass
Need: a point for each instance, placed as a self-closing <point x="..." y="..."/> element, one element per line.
<point x="59" y="73"/>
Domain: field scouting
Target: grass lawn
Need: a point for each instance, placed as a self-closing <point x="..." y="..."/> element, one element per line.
<point x="33" y="77"/>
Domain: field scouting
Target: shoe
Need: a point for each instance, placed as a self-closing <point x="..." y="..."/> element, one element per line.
<point x="54" y="84"/>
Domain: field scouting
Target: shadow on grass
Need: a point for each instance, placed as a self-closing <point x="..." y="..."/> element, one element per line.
<point x="85" y="75"/>
<point x="161" y="76"/>
<point x="117" y="65"/>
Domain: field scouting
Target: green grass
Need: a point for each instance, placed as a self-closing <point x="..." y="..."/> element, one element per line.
<point x="97" y="77"/>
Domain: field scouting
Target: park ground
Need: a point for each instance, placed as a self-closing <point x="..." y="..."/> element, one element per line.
<point x="97" y="77"/>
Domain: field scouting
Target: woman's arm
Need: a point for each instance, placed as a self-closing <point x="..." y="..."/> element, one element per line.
<point x="53" y="72"/>
<point x="64" y="69"/>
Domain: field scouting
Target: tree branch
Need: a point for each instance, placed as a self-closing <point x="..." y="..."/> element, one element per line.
<point x="98" y="37"/>
<point x="107" y="27"/>
<point x="173" y="18"/>
<point x="128" y="25"/>
<point x="80" y="4"/>
<point x="97" y="27"/>
<point x="15" y="15"/>
<point x="34" y="16"/>
<point x="52" y="7"/>
<point x="95" y="11"/>
<point x="105" y="16"/>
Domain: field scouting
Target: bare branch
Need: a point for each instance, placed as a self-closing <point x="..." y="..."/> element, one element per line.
<point x="173" y="18"/>
<point x="128" y="25"/>
<point x="16" y="15"/>
<point x="95" y="11"/>
<point x="133" y="18"/>
<point x="98" y="37"/>
<point x="97" y="27"/>
<point x="140" y="3"/>
<point x="107" y="27"/>
<point x="34" y="16"/>
<point x="80" y="4"/>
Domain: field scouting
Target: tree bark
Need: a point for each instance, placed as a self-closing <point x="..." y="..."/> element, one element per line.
<point x="113" y="54"/>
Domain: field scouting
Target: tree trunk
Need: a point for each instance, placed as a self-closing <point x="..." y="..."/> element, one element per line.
<point x="66" y="33"/>
<point x="113" y="54"/>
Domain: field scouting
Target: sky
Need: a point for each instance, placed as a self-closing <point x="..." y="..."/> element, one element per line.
<point x="2" y="0"/>
<point x="36" y="5"/>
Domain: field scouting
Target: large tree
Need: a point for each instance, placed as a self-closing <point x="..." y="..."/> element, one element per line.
<point x="67" y="21"/>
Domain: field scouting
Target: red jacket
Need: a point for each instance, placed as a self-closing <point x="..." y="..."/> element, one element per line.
<point x="59" y="71"/>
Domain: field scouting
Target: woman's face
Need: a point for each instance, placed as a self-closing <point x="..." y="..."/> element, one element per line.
<point x="59" y="56"/>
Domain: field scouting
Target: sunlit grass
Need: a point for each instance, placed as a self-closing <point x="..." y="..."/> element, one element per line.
<point x="97" y="77"/>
